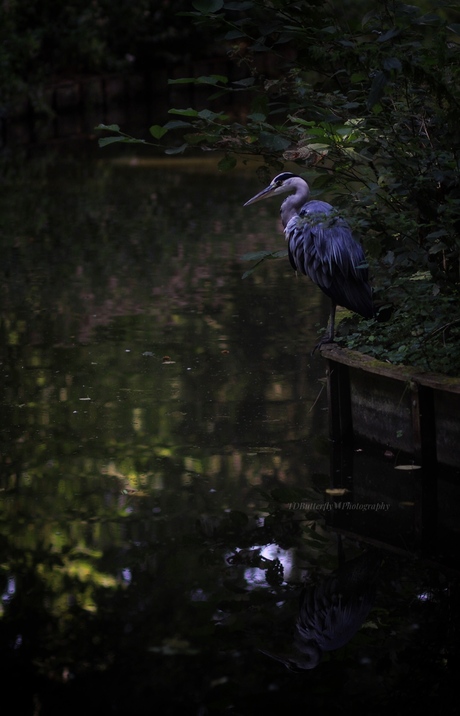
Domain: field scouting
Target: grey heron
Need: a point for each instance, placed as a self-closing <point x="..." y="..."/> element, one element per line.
<point x="321" y="246"/>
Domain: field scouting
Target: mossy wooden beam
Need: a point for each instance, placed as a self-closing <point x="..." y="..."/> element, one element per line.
<point x="403" y="373"/>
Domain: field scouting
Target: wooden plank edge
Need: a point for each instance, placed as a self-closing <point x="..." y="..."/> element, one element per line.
<point x="403" y="373"/>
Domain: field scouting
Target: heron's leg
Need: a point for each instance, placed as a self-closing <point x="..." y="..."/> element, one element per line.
<point x="329" y="335"/>
<point x="332" y="323"/>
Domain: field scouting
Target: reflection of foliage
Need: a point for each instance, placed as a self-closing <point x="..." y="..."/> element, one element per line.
<point x="147" y="533"/>
<point x="106" y="450"/>
<point x="48" y="40"/>
<point x="65" y="284"/>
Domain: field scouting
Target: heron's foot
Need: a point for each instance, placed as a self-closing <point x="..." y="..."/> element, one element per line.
<point x="326" y="339"/>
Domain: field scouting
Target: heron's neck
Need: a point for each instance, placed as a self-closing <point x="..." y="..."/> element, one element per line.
<point x="293" y="203"/>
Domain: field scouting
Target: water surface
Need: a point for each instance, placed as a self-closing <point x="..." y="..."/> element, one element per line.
<point x="165" y="455"/>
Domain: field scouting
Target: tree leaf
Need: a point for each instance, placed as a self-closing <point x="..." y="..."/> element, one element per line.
<point x="257" y="117"/>
<point x="177" y="150"/>
<point x="303" y="122"/>
<point x="389" y="34"/>
<point x="108" y="127"/>
<point x="429" y="19"/>
<point x="208" y="6"/>
<point x="234" y="35"/>
<point x="184" y="112"/>
<point x="319" y="147"/>
<point x="392" y="63"/>
<point x="104" y="141"/>
<point x="210" y="116"/>
<point x="227" y="163"/>
<point x="182" y="81"/>
<point x="239" y="6"/>
<point x="211" y="80"/>
<point x="157" y="131"/>
<point x="274" y="142"/>
<point x="177" y="124"/>
<point x="247" y="82"/>
<point x="259" y="257"/>
<point x="254" y="255"/>
<point x="377" y="88"/>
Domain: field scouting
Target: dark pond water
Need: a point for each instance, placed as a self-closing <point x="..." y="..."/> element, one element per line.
<point x="165" y="464"/>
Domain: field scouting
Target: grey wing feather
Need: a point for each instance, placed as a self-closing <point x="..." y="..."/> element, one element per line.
<point x="321" y="245"/>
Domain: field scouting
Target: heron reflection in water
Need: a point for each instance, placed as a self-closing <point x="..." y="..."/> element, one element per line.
<point x="331" y="612"/>
<point x="321" y="246"/>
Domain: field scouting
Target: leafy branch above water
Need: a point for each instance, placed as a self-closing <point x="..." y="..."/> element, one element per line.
<point x="367" y="108"/>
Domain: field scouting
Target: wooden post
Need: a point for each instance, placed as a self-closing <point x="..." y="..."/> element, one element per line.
<point x="339" y="402"/>
<point x="340" y="433"/>
<point x="425" y="480"/>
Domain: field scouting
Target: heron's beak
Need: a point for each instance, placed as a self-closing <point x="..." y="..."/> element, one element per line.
<point x="290" y="661"/>
<point x="283" y="658"/>
<point x="261" y="195"/>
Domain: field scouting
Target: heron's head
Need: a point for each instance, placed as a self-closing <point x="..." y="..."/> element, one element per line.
<point x="282" y="184"/>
